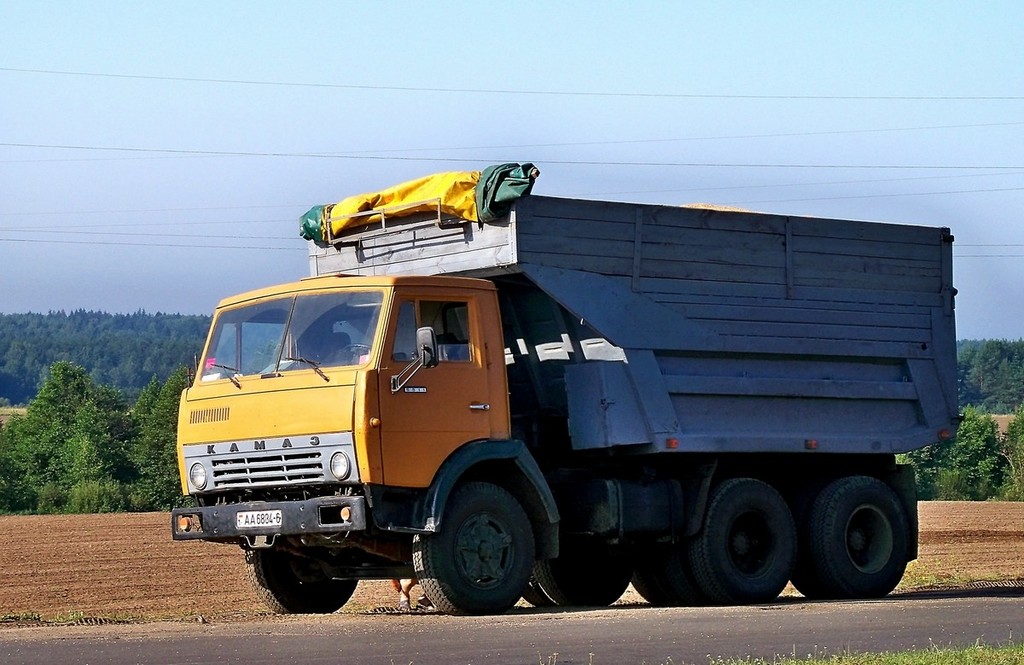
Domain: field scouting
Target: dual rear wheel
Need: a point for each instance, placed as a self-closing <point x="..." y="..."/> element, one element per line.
<point x="852" y="543"/>
<point x="587" y="572"/>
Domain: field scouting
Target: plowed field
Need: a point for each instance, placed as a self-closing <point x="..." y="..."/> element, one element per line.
<point x="127" y="566"/>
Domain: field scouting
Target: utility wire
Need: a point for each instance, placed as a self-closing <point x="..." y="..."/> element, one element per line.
<point x="117" y="211"/>
<point x="71" y="213"/>
<point x="531" y="146"/>
<point x="564" y="162"/>
<point x="818" y="183"/>
<point x="883" y="196"/>
<point x="504" y="91"/>
<point x="141" y="244"/>
<point x="138" y="210"/>
<point x="196" y="247"/>
<point x="148" y="234"/>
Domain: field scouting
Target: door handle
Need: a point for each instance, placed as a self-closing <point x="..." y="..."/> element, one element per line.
<point x="479" y="407"/>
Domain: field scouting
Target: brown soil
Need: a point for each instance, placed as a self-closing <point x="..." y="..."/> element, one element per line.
<point x="127" y="566"/>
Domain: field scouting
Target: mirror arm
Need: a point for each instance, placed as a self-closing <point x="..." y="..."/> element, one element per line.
<point x="402" y="378"/>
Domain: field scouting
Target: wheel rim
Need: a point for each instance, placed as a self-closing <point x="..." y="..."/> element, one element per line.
<point x="484" y="550"/>
<point x="869" y="539"/>
<point x="750" y="543"/>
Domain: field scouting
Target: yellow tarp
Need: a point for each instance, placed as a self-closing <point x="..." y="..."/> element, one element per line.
<point x="475" y="196"/>
<point x="455" y="190"/>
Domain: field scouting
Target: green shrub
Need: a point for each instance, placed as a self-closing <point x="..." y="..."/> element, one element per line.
<point x="51" y="498"/>
<point x="97" y="496"/>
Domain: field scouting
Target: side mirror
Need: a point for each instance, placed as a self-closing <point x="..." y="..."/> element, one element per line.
<point x="426" y="357"/>
<point x="426" y="346"/>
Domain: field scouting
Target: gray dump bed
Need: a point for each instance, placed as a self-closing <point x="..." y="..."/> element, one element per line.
<point x="704" y="330"/>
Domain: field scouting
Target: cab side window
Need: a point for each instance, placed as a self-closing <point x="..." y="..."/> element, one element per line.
<point x="450" y="321"/>
<point x="405" y="334"/>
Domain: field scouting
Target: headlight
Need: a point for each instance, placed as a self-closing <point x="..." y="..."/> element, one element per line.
<point x="197" y="474"/>
<point x="341" y="466"/>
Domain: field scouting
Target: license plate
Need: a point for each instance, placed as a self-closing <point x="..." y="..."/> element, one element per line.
<point x="250" y="519"/>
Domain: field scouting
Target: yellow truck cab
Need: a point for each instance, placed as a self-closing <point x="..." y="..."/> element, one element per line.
<point x="508" y="395"/>
<point x="313" y="402"/>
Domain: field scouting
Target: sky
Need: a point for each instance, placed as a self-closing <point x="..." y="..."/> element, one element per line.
<point x="157" y="156"/>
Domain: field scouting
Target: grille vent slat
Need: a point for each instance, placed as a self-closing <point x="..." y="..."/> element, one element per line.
<point x="203" y="416"/>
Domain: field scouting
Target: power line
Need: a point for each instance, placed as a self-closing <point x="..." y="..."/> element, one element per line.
<point x="139" y="210"/>
<point x="883" y="196"/>
<point x="148" y="234"/>
<point x="289" y="220"/>
<point x="196" y="247"/>
<point x="819" y="183"/>
<point x="530" y="146"/>
<point x="562" y="162"/>
<point x="505" y="91"/>
<point x="140" y="244"/>
<point x="61" y="160"/>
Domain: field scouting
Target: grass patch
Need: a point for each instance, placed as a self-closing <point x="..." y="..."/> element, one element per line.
<point x="919" y="575"/>
<point x="72" y="618"/>
<point x="978" y="654"/>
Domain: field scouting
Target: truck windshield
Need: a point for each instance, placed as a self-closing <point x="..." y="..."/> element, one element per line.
<point x="298" y="332"/>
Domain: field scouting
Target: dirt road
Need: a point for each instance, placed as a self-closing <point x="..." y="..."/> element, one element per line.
<point x="126" y="565"/>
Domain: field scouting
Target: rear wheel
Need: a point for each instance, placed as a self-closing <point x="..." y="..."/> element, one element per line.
<point x="746" y="550"/>
<point x="858" y="535"/>
<point x="585" y="573"/>
<point x="663" y="577"/>
<point x="290" y="584"/>
<point x="480" y="560"/>
<point x="805" y="575"/>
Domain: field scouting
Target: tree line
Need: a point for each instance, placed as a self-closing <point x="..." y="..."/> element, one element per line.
<point x="120" y="350"/>
<point x="82" y="445"/>
<point x="990" y="374"/>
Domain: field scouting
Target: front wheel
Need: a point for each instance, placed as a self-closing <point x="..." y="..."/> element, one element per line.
<point x="291" y="584"/>
<point x="480" y="560"/>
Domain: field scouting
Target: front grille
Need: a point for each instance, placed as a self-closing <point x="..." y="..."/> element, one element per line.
<point x="255" y="470"/>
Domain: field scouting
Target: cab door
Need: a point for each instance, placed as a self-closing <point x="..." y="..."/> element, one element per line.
<point x="441" y="408"/>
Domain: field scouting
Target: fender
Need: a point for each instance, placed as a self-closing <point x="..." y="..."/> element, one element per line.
<point x="422" y="511"/>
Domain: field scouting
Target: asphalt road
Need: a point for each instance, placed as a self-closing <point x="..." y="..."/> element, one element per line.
<point x="619" y="635"/>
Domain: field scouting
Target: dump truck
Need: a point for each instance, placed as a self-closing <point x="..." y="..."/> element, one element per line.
<point x="553" y="398"/>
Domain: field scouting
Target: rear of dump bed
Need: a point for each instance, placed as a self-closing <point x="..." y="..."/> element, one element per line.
<point x="655" y="328"/>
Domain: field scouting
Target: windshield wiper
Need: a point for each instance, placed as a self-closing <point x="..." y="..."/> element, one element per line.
<point x="312" y="363"/>
<point x="233" y="377"/>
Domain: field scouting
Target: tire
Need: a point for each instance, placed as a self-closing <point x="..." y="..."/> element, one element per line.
<point x="480" y="560"/>
<point x="858" y="539"/>
<point x="534" y="595"/>
<point x="746" y="550"/>
<point x="805" y="575"/>
<point x="585" y="573"/>
<point x="290" y="584"/>
<point x="663" y="577"/>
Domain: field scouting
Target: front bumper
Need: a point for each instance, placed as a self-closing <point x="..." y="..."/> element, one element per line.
<point x="329" y="514"/>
